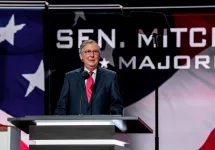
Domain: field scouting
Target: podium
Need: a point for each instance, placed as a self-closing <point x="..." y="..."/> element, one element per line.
<point x="78" y="132"/>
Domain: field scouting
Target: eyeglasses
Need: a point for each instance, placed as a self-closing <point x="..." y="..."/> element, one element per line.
<point x="88" y="52"/>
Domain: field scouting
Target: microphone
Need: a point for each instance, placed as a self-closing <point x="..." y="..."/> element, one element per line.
<point x="85" y="75"/>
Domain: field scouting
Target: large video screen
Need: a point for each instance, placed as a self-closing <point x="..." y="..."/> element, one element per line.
<point x="180" y="67"/>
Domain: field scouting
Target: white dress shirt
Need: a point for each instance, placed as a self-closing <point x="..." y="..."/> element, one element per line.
<point x="93" y="75"/>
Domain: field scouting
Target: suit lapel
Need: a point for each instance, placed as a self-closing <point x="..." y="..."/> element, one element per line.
<point x="98" y="83"/>
<point x="97" y="86"/>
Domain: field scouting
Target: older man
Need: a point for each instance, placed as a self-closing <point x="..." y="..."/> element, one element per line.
<point x="90" y="90"/>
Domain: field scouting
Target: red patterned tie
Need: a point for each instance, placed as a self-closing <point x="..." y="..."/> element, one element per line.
<point x="89" y="86"/>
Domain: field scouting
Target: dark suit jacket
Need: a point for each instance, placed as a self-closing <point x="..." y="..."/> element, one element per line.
<point x="106" y="98"/>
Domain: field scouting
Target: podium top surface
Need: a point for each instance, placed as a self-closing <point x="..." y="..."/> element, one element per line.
<point x="123" y="124"/>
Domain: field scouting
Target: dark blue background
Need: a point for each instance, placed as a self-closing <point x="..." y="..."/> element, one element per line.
<point x="21" y="58"/>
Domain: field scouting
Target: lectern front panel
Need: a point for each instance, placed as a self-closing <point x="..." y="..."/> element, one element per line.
<point x="72" y="147"/>
<point x="71" y="132"/>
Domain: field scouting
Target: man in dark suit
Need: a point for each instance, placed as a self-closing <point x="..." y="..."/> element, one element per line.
<point x="98" y="94"/>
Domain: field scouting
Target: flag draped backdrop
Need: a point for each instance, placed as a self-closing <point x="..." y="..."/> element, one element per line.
<point x="21" y="65"/>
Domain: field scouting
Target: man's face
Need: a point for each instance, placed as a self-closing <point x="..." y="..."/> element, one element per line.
<point x="90" y="56"/>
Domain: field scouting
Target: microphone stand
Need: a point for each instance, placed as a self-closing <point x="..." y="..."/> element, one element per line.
<point x="85" y="76"/>
<point x="80" y="108"/>
<point x="155" y="45"/>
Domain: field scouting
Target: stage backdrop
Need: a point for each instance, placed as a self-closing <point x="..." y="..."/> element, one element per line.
<point x="21" y="63"/>
<point x="184" y="59"/>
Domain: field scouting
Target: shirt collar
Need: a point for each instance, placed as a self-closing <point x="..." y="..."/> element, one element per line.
<point x="94" y="71"/>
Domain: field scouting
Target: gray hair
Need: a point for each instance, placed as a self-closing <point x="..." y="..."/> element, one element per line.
<point x="87" y="42"/>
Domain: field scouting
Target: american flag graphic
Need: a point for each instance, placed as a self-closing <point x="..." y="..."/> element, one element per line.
<point x="21" y="65"/>
<point x="186" y="99"/>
